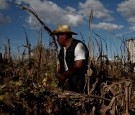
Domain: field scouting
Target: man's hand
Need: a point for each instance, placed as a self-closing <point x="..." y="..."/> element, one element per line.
<point x="62" y="77"/>
<point x="63" y="82"/>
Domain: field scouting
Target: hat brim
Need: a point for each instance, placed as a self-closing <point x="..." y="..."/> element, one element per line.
<point x="64" y="32"/>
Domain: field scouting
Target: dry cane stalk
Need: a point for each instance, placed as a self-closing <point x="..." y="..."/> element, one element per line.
<point x="104" y="110"/>
<point x="39" y="59"/>
<point x="1" y="57"/>
<point x="9" y="51"/>
<point x="127" y="97"/>
<point x="113" y="108"/>
<point x="89" y="48"/>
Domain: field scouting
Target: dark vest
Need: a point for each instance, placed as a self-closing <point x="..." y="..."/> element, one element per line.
<point x="77" y="80"/>
<point x="70" y="57"/>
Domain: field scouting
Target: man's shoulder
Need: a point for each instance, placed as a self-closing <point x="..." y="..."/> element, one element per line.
<point x="76" y="40"/>
<point x="79" y="43"/>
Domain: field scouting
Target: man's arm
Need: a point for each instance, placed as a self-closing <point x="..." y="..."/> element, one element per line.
<point x="58" y="68"/>
<point x="77" y="65"/>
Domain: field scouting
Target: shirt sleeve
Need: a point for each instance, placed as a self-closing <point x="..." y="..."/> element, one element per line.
<point x="80" y="52"/>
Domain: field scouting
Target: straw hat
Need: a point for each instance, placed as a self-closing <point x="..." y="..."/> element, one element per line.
<point x="63" y="29"/>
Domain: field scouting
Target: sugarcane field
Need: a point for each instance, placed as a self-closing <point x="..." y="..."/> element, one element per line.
<point x="29" y="84"/>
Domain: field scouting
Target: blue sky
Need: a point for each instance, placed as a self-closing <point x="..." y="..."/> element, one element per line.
<point x="112" y="20"/>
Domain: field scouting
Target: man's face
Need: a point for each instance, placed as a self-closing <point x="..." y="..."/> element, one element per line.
<point x="61" y="39"/>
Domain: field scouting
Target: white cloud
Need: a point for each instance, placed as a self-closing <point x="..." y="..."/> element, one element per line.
<point x="98" y="8"/>
<point x="127" y="9"/>
<point x="132" y="27"/>
<point x="107" y="26"/>
<point x="54" y="14"/>
<point x="70" y="9"/>
<point x="132" y="20"/>
<point x="51" y="13"/>
<point x="74" y="19"/>
<point x="3" y="4"/>
<point x="3" y="18"/>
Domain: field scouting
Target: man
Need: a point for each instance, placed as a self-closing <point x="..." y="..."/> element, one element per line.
<point x="72" y="60"/>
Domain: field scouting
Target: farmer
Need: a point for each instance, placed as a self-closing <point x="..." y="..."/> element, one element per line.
<point x="72" y="60"/>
